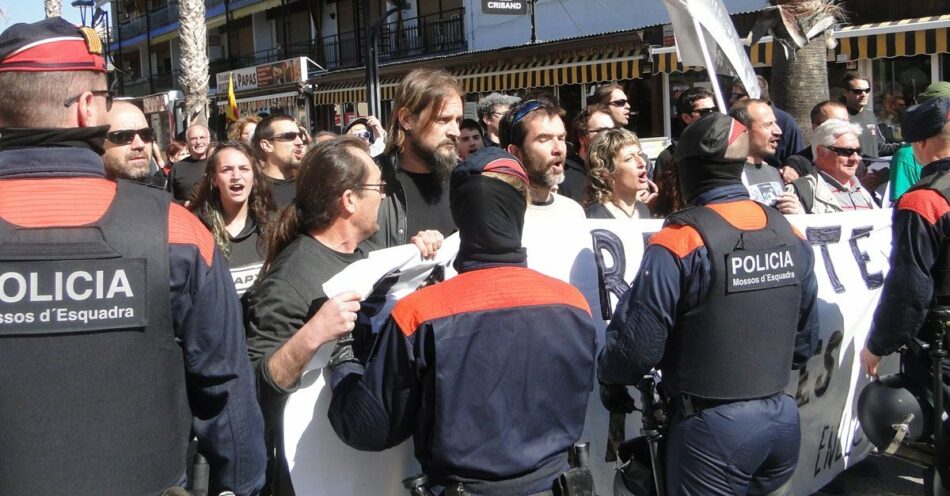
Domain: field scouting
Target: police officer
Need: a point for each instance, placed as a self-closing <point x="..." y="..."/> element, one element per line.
<point x="918" y="278"/>
<point x="724" y="305"/>
<point x="113" y="337"/>
<point x="489" y="371"/>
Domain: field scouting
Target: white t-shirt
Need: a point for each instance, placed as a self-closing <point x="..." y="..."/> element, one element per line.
<point x="559" y="209"/>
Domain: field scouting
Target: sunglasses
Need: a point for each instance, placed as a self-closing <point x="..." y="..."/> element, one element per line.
<point x="859" y="91"/>
<point x="288" y="136"/>
<point x="618" y="103"/>
<point x="704" y="111"/>
<point x="366" y="135"/>
<point x="110" y="95"/>
<point x="127" y="136"/>
<point x="843" y="152"/>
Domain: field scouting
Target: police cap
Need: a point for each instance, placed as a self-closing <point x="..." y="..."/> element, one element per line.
<point x="710" y="153"/>
<point x="50" y="45"/>
<point x="926" y="120"/>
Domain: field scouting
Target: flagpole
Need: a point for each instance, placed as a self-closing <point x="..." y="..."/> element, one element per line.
<point x="710" y="68"/>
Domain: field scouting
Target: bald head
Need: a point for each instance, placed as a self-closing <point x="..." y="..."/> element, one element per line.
<point x="128" y="146"/>
<point x="198" y="138"/>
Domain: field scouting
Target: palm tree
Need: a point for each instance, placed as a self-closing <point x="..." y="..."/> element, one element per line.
<point x="800" y="80"/>
<point x="53" y="8"/>
<point x="194" y="60"/>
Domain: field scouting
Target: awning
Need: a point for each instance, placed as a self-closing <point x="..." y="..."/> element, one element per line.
<point x="909" y="37"/>
<point x="594" y="68"/>
<point x="254" y="104"/>
<point x="665" y="60"/>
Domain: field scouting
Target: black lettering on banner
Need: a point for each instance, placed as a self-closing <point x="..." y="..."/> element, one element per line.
<point x="45" y="297"/>
<point x="829" y="445"/>
<point x="872" y="281"/>
<point x="750" y="270"/>
<point x="824" y="380"/>
<point x="823" y="236"/>
<point x="610" y="278"/>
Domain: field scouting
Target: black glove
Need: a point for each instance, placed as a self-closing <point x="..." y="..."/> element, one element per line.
<point x="616" y="399"/>
<point x="342" y="352"/>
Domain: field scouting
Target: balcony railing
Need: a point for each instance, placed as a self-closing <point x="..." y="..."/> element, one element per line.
<point x="429" y="34"/>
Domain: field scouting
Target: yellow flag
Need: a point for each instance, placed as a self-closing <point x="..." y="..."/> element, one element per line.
<point x="233" y="112"/>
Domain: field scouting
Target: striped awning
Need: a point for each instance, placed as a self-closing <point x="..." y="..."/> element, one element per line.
<point x="665" y="60"/>
<point x="908" y="37"/>
<point x="595" y="68"/>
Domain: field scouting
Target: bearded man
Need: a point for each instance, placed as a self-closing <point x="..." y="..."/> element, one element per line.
<point x="420" y="154"/>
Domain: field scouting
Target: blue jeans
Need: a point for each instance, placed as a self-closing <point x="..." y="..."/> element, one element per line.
<point x="746" y="447"/>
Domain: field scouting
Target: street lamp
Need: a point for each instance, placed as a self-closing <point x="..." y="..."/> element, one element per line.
<point x="372" y="55"/>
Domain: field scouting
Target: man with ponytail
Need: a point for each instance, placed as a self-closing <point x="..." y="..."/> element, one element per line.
<point x="289" y="317"/>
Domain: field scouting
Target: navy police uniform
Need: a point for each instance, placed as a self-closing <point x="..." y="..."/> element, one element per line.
<point x="489" y="372"/>
<point x="116" y="341"/>
<point x="724" y="305"/>
<point x="919" y="277"/>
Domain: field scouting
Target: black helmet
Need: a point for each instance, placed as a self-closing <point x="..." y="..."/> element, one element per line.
<point x="892" y="401"/>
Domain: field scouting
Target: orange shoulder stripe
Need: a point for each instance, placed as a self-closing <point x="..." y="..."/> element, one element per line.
<point x="65" y="202"/>
<point x="927" y="203"/>
<point x="185" y="229"/>
<point x="743" y="214"/>
<point x="483" y="290"/>
<point x="681" y="240"/>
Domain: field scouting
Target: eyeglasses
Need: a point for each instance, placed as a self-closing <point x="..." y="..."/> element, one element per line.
<point x="106" y="93"/>
<point x="366" y="135"/>
<point x="859" y="91"/>
<point x="497" y="114"/>
<point x="704" y="111"/>
<point x="288" y="136"/>
<point x="843" y="152"/>
<point x="618" y="103"/>
<point x="379" y="187"/>
<point x="738" y="96"/>
<point x="127" y="136"/>
<point x="599" y="130"/>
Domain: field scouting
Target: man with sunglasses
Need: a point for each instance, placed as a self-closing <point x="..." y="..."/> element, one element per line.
<point x="857" y="94"/>
<point x="833" y="187"/>
<point x="128" y="145"/>
<point x="279" y="145"/>
<point x="690" y="106"/>
<point x="917" y="281"/>
<point x="590" y="122"/>
<point x="186" y="173"/>
<point x="120" y="322"/>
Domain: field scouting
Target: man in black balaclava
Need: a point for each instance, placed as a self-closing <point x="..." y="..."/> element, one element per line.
<point x="452" y="363"/>
<point x="725" y="306"/>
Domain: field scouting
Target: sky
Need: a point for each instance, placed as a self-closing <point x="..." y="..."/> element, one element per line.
<point x="32" y="10"/>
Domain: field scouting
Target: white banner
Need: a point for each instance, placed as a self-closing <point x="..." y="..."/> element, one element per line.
<point x="851" y="259"/>
<point x="706" y="36"/>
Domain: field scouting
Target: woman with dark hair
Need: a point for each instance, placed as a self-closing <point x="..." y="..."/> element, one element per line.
<point x="235" y="203"/>
<point x="669" y="197"/>
<point x="617" y="177"/>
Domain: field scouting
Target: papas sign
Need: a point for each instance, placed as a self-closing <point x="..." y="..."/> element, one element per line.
<point x="264" y="75"/>
<point x="515" y="7"/>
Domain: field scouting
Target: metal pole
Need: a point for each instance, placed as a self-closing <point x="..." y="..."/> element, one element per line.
<point x="372" y="80"/>
<point x="710" y="68"/>
<point x="534" y="33"/>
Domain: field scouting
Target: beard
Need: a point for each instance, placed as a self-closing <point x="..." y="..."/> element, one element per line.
<point x="540" y="172"/>
<point x="125" y="168"/>
<point x="439" y="160"/>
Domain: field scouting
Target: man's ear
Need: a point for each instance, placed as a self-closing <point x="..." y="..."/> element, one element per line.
<point x="267" y="146"/>
<point x="514" y="150"/>
<point x="348" y="202"/>
<point x="87" y="114"/>
<point x="406" y="120"/>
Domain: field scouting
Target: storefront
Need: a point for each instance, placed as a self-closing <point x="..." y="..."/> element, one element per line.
<point x="165" y="115"/>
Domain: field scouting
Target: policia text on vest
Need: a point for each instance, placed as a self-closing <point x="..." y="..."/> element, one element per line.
<point x="42" y="297"/>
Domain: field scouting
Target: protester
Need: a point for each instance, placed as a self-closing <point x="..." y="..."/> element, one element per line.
<point x="490" y="372"/>
<point x="421" y="152"/>
<point x="186" y="173"/>
<point x="791" y="138"/>
<point x="618" y="175"/>
<point x="802" y="162"/>
<point x="889" y="115"/>
<point x="588" y="123"/>
<point x="234" y="202"/>
<point x="370" y="130"/>
<point x="128" y="145"/>
<point x="763" y="181"/>
<point x="833" y="186"/>
<point x="491" y="109"/>
<point x="725" y="350"/>
<point x="613" y="96"/>
<point x="534" y="133"/>
<point x="857" y="94"/>
<point x="242" y="130"/>
<point x="691" y="105"/>
<point x="288" y="315"/>
<point x="107" y="405"/>
<point x="470" y="138"/>
<point x="916" y="282"/>
<point x="278" y="143"/>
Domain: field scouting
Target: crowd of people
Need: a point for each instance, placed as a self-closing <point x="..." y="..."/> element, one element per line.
<point x="206" y="278"/>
